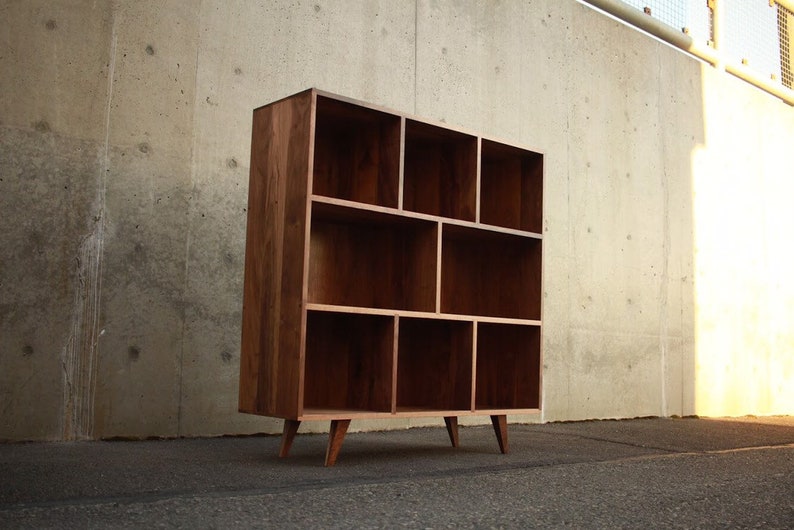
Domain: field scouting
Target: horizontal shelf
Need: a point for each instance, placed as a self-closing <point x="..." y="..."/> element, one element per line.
<point x="331" y="209"/>
<point x="480" y="411"/>
<point x="315" y="413"/>
<point x="311" y="306"/>
<point x="359" y="211"/>
<point x="320" y="413"/>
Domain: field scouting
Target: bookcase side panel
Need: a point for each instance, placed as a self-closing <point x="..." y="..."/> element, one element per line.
<point x="270" y="364"/>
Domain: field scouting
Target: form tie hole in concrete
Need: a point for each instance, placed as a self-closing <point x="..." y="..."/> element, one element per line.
<point x="238" y="71"/>
<point x="133" y="353"/>
<point x="317" y="8"/>
<point x="226" y="357"/>
<point x="27" y="350"/>
<point x="50" y="25"/>
<point x="42" y="126"/>
<point x="144" y="148"/>
<point x="231" y="163"/>
<point x="150" y="50"/>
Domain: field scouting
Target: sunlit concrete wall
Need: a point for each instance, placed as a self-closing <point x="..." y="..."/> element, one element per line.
<point x="742" y="190"/>
<point x="124" y="145"/>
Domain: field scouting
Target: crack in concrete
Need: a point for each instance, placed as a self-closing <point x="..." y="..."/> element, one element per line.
<point x="79" y="357"/>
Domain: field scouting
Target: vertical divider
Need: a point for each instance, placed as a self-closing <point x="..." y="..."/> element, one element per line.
<point x="401" y="172"/>
<point x="395" y="360"/>
<point x="439" y="242"/>
<point x="478" y="181"/>
<point x="474" y="365"/>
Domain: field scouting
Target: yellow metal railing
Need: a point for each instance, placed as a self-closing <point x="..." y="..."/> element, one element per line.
<point x="713" y="51"/>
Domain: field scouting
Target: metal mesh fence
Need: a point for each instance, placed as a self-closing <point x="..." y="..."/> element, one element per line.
<point x="690" y="16"/>
<point x="785" y="28"/>
<point x="750" y="35"/>
<point x="756" y="33"/>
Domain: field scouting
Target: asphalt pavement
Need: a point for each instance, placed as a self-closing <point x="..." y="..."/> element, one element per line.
<point x="642" y="473"/>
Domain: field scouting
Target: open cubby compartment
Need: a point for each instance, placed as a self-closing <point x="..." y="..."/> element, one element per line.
<point x="440" y="171"/>
<point x="511" y="187"/>
<point x="489" y="273"/>
<point x="356" y="153"/>
<point x="434" y="364"/>
<point x="371" y="259"/>
<point x="508" y="367"/>
<point x="348" y="362"/>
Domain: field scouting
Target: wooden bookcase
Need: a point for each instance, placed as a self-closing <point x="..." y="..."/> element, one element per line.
<point x="392" y="269"/>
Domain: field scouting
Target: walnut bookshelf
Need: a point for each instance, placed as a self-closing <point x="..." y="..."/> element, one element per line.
<point x="392" y="269"/>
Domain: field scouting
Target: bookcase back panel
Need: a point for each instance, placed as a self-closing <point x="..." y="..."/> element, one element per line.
<point x="508" y="367"/>
<point x="356" y="153"/>
<point x="489" y="274"/>
<point x="440" y="172"/>
<point x="511" y="188"/>
<point x="381" y="261"/>
<point x="434" y="364"/>
<point x="348" y="362"/>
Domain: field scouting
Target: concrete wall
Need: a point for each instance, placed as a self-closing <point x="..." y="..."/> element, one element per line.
<point x="124" y="147"/>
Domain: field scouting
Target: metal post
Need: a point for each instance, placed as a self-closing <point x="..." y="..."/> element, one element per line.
<point x="716" y="31"/>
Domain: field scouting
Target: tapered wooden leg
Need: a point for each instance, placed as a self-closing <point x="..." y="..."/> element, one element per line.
<point x="290" y="428"/>
<point x="452" y="429"/>
<point x="335" y="438"/>
<point x="500" y="428"/>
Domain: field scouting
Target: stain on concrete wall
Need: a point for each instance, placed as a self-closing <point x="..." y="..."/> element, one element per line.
<point x="51" y="133"/>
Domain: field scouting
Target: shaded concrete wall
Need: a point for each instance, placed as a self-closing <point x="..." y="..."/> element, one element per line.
<point x="125" y="139"/>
